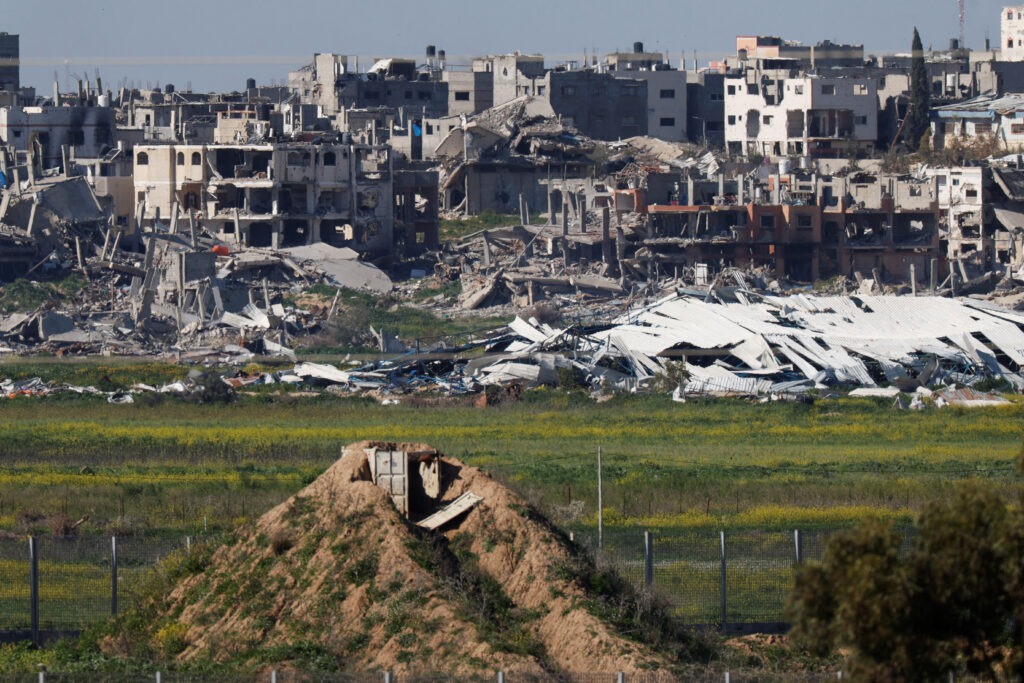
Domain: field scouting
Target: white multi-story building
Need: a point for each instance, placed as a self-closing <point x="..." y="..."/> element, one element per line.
<point x="806" y="115"/>
<point x="1012" y="30"/>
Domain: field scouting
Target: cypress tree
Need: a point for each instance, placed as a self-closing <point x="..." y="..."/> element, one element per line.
<point x="920" y="97"/>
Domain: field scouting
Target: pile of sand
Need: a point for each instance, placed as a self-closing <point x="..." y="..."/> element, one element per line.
<point x="338" y="571"/>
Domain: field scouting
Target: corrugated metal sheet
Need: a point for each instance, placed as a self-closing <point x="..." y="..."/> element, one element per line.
<point x="464" y="503"/>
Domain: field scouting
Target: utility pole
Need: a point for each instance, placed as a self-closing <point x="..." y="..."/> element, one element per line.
<point x="600" y="504"/>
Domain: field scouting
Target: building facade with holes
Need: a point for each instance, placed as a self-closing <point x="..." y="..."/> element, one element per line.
<point x="272" y="195"/>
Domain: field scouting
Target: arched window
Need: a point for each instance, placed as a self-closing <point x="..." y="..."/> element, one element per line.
<point x="197" y="159"/>
<point x="181" y="158"/>
<point x="142" y="159"/>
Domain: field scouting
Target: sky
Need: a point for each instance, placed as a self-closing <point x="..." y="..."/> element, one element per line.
<point x="218" y="44"/>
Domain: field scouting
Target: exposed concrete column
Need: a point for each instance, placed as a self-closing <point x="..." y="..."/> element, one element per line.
<point x="551" y="205"/>
<point x="582" y="201"/>
<point x="690" y="201"/>
<point x="487" y="249"/>
<point x="620" y="244"/>
<point x="565" y="217"/>
<point x="721" y="186"/>
<point x="740" y="190"/>
<point x="606" y="244"/>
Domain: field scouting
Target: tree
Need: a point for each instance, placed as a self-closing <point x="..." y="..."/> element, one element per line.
<point x="918" y="114"/>
<point x="947" y="604"/>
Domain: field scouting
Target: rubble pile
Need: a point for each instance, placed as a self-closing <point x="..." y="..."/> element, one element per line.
<point x="171" y="290"/>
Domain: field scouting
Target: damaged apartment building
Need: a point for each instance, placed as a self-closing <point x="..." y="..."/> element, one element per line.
<point x="805" y="115"/>
<point x="288" y="194"/>
<point x="802" y="225"/>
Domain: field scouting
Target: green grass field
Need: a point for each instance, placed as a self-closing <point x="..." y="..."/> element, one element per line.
<point x="713" y="464"/>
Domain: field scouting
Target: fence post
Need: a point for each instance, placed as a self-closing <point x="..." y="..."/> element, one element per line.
<point x="387" y="677"/>
<point x="501" y="677"/>
<point x="721" y="536"/>
<point x="798" y="541"/>
<point x="113" y="576"/>
<point x="33" y="587"/>
<point x="620" y="677"/>
<point x="648" y="560"/>
<point x="273" y="676"/>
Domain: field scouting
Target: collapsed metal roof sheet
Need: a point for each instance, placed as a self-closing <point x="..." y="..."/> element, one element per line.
<point x="858" y="340"/>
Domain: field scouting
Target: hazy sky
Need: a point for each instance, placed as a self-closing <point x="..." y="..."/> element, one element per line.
<point x="217" y="44"/>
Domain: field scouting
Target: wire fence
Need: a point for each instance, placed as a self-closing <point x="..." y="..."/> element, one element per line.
<point x="55" y="586"/>
<point x="736" y="581"/>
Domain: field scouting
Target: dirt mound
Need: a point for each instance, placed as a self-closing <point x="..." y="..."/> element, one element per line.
<point x="338" y="572"/>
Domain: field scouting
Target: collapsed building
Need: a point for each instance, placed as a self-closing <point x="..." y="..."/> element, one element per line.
<point x="661" y="224"/>
<point x="488" y="161"/>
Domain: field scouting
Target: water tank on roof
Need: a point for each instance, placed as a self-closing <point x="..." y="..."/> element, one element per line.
<point x="169" y="88"/>
<point x="638" y="46"/>
<point x="250" y="84"/>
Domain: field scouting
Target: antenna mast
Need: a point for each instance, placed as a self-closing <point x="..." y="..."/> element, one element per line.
<point x="962" y="13"/>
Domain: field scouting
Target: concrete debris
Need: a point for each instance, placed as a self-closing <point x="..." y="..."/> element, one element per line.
<point x="757" y="346"/>
<point x="160" y="290"/>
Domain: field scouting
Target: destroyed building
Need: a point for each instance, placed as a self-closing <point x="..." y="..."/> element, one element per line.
<point x="1005" y="239"/>
<point x="803" y="225"/>
<point x="36" y="223"/>
<point x="281" y="194"/>
<point x="48" y="137"/>
<point x="505" y="152"/>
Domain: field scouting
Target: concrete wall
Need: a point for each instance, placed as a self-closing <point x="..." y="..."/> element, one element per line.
<point x="513" y="75"/>
<point x="598" y="104"/>
<point x="119" y="191"/>
<point x="88" y="131"/>
<point x="666" y="103"/>
<point x="469" y="92"/>
<point x="705" y="106"/>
